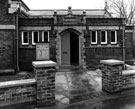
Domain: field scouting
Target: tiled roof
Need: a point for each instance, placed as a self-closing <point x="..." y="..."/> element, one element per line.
<point x="95" y="13"/>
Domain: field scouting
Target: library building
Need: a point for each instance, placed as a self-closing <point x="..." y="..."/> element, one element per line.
<point x="68" y="37"/>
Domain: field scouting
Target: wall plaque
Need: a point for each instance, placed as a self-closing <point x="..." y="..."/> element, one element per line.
<point x="70" y="19"/>
<point x="42" y="51"/>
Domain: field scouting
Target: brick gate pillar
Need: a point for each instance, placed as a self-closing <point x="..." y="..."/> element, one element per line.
<point x="45" y="82"/>
<point x="111" y="75"/>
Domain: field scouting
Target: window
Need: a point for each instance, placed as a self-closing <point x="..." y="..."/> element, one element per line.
<point x="113" y="37"/>
<point x="25" y="38"/>
<point x="103" y="37"/>
<point x="35" y="37"/>
<point x="94" y="37"/>
<point x="45" y="36"/>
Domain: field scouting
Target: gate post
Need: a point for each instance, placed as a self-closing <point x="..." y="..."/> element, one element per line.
<point x="45" y="82"/>
<point x="111" y="75"/>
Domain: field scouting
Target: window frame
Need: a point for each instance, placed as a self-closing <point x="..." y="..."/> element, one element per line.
<point x="22" y="35"/>
<point x="33" y="37"/>
<point x="115" y="37"/>
<point x="43" y="36"/>
<point x="105" y="37"/>
<point x="95" y="37"/>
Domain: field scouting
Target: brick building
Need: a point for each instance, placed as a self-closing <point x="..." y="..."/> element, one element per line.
<point x="75" y="36"/>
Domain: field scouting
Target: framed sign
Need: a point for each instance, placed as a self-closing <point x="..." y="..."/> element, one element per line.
<point x="42" y="51"/>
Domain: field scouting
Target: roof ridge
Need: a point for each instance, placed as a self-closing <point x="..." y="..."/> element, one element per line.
<point x="67" y="9"/>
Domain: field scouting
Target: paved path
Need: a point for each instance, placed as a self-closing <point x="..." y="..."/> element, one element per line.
<point x="72" y="87"/>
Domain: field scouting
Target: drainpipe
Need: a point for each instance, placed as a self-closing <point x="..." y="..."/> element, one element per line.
<point x="124" y="42"/>
<point x="17" y="51"/>
<point x="17" y="35"/>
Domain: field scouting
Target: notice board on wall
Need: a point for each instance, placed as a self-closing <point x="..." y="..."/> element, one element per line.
<point x="42" y="51"/>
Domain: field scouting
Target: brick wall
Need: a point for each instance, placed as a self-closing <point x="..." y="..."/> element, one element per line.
<point x="26" y="56"/>
<point x="94" y="55"/>
<point x="103" y="21"/>
<point x="111" y="78"/>
<point x="45" y="87"/>
<point x="5" y="17"/>
<point x="35" y="22"/>
<point x="114" y="79"/>
<point x="128" y="79"/>
<point x="129" y="43"/>
<point x="6" y="49"/>
<point x="20" y="91"/>
<point x="40" y="89"/>
<point x="6" y="37"/>
<point x="27" y="53"/>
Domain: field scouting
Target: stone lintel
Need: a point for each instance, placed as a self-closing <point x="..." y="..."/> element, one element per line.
<point x="112" y="62"/>
<point x="7" y="27"/>
<point x="44" y="64"/>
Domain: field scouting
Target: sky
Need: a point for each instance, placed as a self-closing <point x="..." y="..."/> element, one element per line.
<point x="64" y="4"/>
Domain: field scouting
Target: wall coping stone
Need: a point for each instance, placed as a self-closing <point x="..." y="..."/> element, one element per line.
<point x="17" y="83"/>
<point x="112" y="62"/>
<point x="128" y="72"/>
<point x="44" y="64"/>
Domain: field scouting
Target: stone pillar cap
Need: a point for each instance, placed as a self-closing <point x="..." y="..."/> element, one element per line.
<point x="112" y="62"/>
<point x="44" y="64"/>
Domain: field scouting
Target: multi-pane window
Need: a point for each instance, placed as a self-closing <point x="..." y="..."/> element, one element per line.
<point x="103" y="37"/>
<point x="35" y="37"/>
<point x="113" y="37"/>
<point x="45" y="36"/>
<point x="94" y="37"/>
<point x="25" y="38"/>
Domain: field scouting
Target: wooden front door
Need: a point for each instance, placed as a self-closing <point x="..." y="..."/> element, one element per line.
<point x="65" y="49"/>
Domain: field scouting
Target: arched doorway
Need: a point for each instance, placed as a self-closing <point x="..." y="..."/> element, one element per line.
<point x="69" y="48"/>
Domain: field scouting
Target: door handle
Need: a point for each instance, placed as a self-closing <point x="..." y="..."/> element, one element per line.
<point x="64" y="52"/>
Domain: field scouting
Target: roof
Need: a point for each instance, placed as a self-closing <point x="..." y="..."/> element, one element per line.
<point x="92" y="13"/>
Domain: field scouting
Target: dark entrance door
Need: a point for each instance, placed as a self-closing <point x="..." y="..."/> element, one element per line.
<point x="74" y="49"/>
<point x="70" y="48"/>
<point x="65" y="49"/>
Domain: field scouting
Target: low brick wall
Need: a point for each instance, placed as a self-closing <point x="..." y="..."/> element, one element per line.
<point x="114" y="79"/>
<point x="40" y="89"/>
<point x="19" y="91"/>
<point x="128" y="79"/>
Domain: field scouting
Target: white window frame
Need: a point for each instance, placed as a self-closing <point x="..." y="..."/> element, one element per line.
<point x="47" y="34"/>
<point x="115" y="38"/>
<point x="95" y="36"/>
<point x="23" y="38"/>
<point x="33" y="37"/>
<point x="105" y="38"/>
